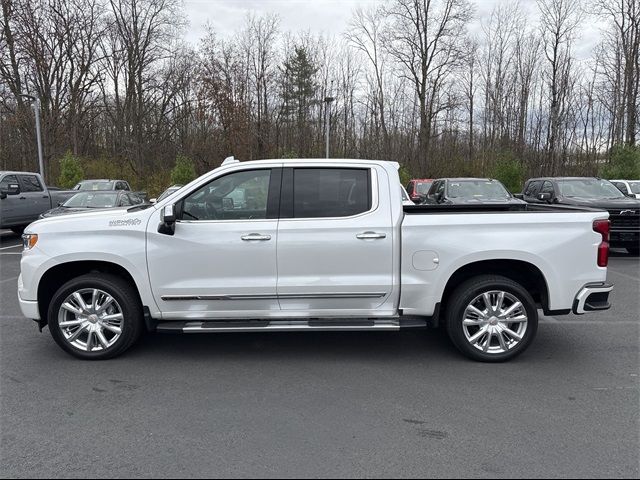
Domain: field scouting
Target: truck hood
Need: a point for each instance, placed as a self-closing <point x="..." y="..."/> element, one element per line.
<point x="101" y="220"/>
<point x="604" y="203"/>
<point x="477" y="201"/>
<point x="73" y="210"/>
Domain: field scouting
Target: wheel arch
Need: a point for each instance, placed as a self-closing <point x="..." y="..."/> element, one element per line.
<point x="59" y="274"/>
<point x="525" y="273"/>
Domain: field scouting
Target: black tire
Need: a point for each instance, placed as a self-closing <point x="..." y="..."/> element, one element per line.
<point x="633" y="251"/>
<point x="126" y="297"/>
<point x="18" y="230"/>
<point x="464" y="294"/>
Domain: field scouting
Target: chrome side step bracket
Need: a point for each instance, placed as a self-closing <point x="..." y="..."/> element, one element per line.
<point x="279" y="326"/>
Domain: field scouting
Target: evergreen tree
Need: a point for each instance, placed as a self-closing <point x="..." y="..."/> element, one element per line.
<point x="184" y="171"/>
<point x="71" y="171"/>
<point x="298" y="95"/>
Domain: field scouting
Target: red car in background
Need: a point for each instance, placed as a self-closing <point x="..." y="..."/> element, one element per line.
<point x="418" y="188"/>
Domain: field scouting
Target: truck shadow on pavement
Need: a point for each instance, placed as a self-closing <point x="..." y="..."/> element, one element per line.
<point x="407" y="346"/>
<point x="300" y="345"/>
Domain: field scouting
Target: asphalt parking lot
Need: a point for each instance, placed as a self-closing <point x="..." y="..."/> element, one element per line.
<point x="324" y="404"/>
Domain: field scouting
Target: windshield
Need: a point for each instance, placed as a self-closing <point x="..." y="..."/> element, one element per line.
<point x="478" y="189"/>
<point x="634" y="187"/>
<point x="94" y="186"/>
<point x="92" y="200"/>
<point x="589" y="188"/>
<point x="423" y="187"/>
<point x="167" y="192"/>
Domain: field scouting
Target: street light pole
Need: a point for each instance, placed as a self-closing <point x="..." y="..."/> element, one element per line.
<point x="36" y="109"/>
<point x="328" y="101"/>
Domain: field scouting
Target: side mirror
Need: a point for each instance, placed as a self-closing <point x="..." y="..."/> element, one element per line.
<point x="167" y="220"/>
<point x="153" y="200"/>
<point x="12" y="189"/>
<point x="439" y="197"/>
<point x="545" y="197"/>
<point x="421" y="199"/>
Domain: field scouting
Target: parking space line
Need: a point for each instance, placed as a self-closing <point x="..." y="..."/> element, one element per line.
<point x="10" y="253"/>
<point x="9" y="279"/>
<point x="11" y="246"/>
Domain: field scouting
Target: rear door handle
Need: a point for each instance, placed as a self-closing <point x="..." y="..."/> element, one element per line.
<point x="370" y="235"/>
<point x="256" y="237"/>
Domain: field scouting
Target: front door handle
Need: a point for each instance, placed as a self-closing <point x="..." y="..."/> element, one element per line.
<point x="371" y="235"/>
<point x="256" y="237"/>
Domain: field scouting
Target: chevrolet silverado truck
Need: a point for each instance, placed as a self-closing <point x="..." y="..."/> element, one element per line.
<point x="624" y="212"/>
<point x="24" y="196"/>
<point x="311" y="245"/>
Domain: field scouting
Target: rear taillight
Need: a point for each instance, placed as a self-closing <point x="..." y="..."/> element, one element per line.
<point x="603" y="227"/>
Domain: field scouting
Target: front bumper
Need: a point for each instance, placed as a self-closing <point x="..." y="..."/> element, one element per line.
<point x="29" y="308"/>
<point x="593" y="297"/>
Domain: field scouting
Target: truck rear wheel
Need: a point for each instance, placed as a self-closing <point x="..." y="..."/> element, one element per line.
<point x="95" y="316"/>
<point x="491" y="318"/>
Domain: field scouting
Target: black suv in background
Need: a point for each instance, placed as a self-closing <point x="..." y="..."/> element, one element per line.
<point x="624" y="212"/>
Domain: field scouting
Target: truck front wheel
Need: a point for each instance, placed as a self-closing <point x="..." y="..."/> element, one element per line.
<point x="95" y="316"/>
<point x="491" y="318"/>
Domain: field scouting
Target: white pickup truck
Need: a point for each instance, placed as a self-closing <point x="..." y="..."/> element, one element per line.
<point x="306" y="245"/>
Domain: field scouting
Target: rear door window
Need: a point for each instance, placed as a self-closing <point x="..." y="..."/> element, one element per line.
<point x="30" y="183"/>
<point x="331" y="192"/>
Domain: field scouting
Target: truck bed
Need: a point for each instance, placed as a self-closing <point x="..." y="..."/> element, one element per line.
<point x="491" y="208"/>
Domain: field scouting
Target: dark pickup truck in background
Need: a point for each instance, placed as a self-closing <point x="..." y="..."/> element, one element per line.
<point x="24" y="196"/>
<point x="624" y="212"/>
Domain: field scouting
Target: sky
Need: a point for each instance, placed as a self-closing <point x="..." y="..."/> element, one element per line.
<point x="331" y="17"/>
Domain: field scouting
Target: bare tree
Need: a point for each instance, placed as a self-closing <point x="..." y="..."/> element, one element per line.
<point x="425" y="38"/>
<point x="365" y="34"/>
<point x="559" y="20"/>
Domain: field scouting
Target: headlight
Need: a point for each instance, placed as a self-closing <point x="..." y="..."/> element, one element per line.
<point x="29" y="240"/>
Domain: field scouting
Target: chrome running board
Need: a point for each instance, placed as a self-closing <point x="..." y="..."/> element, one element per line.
<point x="393" y="324"/>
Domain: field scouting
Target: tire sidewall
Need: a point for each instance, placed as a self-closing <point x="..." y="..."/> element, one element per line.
<point x="115" y="288"/>
<point x="463" y="296"/>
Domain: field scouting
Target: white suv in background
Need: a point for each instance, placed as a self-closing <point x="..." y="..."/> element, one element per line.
<point x="631" y="188"/>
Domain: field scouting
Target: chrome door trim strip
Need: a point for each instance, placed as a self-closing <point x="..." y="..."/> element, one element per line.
<point x="284" y="296"/>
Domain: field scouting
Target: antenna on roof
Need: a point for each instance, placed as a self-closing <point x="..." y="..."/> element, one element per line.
<point x="230" y="160"/>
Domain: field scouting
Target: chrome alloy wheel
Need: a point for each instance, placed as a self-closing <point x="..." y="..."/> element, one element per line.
<point x="495" y="322"/>
<point x="90" y="319"/>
